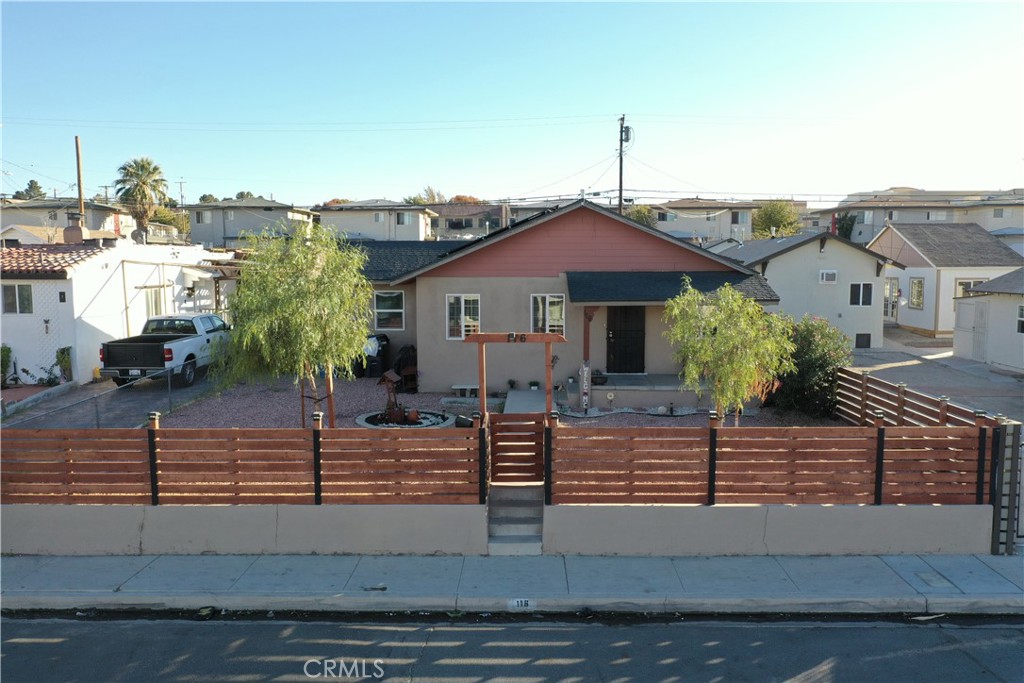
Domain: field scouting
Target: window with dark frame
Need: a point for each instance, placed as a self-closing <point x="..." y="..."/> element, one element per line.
<point x="860" y="294"/>
<point x="389" y="310"/>
<point x="17" y="299"/>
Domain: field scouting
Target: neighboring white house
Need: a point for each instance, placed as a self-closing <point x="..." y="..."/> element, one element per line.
<point x="825" y="276"/>
<point x="943" y="261"/>
<point x="705" y="219"/>
<point x="992" y="210"/>
<point x="990" y="322"/>
<point x="379" y="219"/>
<point x="80" y="295"/>
<point x="56" y="213"/>
<point x="224" y="224"/>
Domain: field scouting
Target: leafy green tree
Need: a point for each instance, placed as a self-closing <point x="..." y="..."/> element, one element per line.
<point x="141" y="187"/>
<point x="244" y="195"/>
<point x="821" y="350"/>
<point x="428" y="196"/>
<point x="302" y="306"/>
<point x="208" y="199"/>
<point x="177" y="219"/>
<point x="464" y="199"/>
<point x="844" y="224"/>
<point x="727" y="345"/>
<point x="32" y="191"/>
<point x="778" y="214"/>
<point x="642" y="214"/>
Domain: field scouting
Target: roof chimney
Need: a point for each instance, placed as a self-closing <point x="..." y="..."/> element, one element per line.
<point x="73" y="234"/>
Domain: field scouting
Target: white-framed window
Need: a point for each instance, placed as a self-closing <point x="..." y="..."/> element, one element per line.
<point x="815" y="223"/>
<point x="916" y="300"/>
<point x="17" y="299"/>
<point x="1020" y="319"/>
<point x="463" y="315"/>
<point x="962" y="287"/>
<point x="893" y="215"/>
<point x="865" y="217"/>
<point x="547" y="313"/>
<point x="435" y="223"/>
<point x="740" y="217"/>
<point x="400" y="218"/>
<point x="231" y="214"/>
<point x="939" y="215"/>
<point x="378" y="217"/>
<point x="666" y="216"/>
<point x="204" y="217"/>
<point x="860" y="294"/>
<point x="389" y="310"/>
<point x="828" y="277"/>
<point x="997" y="213"/>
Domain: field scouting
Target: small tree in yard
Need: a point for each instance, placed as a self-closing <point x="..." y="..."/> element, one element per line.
<point x="302" y="306"/>
<point x="821" y="349"/>
<point x="727" y="345"/>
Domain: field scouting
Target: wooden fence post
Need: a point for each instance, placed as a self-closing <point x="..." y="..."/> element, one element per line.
<point x="864" y="396"/>
<point x="318" y="481"/>
<point x="901" y="404"/>
<point x="879" y="455"/>
<point x="154" y="489"/>
<point x="979" y="422"/>
<point x="713" y="422"/>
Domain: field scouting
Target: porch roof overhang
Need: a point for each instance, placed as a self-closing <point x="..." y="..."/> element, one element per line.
<point x="647" y="288"/>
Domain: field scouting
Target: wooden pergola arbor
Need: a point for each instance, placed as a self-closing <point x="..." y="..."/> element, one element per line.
<point x="482" y="339"/>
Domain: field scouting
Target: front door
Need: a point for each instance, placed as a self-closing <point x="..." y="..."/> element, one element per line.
<point x="626" y="339"/>
<point x="891" y="302"/>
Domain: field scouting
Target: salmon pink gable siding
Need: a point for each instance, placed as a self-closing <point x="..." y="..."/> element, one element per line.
<point x="892" y="245"/>
<point x="578" y="240"/>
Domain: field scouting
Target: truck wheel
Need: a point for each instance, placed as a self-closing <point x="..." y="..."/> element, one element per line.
<point x="187" y="377"/>
<point x="120" y="382"/>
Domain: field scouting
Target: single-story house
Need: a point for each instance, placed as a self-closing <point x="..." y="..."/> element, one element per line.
<point x="990" y="322"/>
<point x="60" y="211"/>
<point x="826" y="276"/>
<point x="581" y="270"/>
<point x="81" y="295"/>
<point x="224" y="224"/>
<point x="942" y="262"/>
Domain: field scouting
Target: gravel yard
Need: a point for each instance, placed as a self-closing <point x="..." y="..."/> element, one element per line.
<point x="277" y="405"/>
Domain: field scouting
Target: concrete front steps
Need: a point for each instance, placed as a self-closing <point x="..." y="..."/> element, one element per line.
<point x="515" y="519"/>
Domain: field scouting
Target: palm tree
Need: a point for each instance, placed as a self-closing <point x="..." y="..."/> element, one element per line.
<point x="141" y="188"/>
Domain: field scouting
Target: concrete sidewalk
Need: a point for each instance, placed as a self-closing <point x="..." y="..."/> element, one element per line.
<point x="926" y="584"/>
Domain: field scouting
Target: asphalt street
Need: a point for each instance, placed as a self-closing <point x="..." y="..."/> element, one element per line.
<point x="42" y="650"/>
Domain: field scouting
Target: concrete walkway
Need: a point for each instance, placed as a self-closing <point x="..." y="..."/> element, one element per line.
<point x="927" y="584"/>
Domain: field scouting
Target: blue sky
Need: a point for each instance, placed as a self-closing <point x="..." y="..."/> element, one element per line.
<point x="307" y="102"/>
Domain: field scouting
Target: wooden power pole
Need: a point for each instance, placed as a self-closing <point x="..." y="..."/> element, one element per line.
<point x="81" y="190"/>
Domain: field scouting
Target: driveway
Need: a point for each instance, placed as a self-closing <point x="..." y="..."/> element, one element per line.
<point x="928" y="365"/>
<point x="101" y="404"/>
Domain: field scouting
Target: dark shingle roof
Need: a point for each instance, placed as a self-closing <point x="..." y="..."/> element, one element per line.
<point x="952" y="245"/>
<point x="389" y="260"/>
<point x="586" y="287"/>
<point x="1011" y="283"/>
<point x="752" y="252"/>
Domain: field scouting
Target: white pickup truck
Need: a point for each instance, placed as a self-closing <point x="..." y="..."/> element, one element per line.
<point x="180" y="344"/>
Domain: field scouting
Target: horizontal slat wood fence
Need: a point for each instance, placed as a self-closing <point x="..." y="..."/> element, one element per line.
<point x="240" y="466"/>
<point x="860" y="396"/>
<point x="785" y="465"/>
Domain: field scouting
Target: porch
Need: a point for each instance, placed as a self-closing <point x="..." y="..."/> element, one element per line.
<point x="637" y="391"/>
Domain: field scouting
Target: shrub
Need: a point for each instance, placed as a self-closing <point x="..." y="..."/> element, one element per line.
<point x="64" y="361"/>
<point x="821" y="349"/>
<point x="5" y="359"/>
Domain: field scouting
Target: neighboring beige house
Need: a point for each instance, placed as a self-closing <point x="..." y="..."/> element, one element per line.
<point x="942" y="262"/>
<point x="58" y="213"/>
<point x="581" y="270"/>
<point x="223" y="224"/>
<point x="703" y="220"/>
<point x="990" y="322"/>
<point x="824" y="276"/>
<point x="81" y="295"/>
<point x="379" y="219"/>
<point x="993" y="210"/>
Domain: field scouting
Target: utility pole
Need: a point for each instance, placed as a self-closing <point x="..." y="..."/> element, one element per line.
<point x="106" y="196"/>
<point x="625" y="134"/>
<point x="81" y="190"/>
<point x="181" y="192"/>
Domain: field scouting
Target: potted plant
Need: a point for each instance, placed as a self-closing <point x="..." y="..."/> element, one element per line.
<point x="512" y="384"/>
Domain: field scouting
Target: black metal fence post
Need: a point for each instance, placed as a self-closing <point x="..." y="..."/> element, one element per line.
<point x="979" y="493"/>
<point x="154" y="488"/>
<point x="481" y="435"/>
<point x="548" y="439"/>
<point x="879" y="455"/>
<point x="318" y="482"/>
<point x="712" y="455"/>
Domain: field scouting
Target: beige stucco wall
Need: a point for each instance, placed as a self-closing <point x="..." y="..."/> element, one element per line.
<point x="247" y="529"/>
<point x="399" y="338"/>
<point x="795" y="277"/>
<point x="766" y="530"/>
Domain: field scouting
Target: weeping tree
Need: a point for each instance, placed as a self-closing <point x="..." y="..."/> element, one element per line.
<point x="728" y="345"/>
<point x="302" y="309"/>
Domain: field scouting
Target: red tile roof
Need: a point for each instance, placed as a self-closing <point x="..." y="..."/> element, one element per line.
<point x="44" y="260"/>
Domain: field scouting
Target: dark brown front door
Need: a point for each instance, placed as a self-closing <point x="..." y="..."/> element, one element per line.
<point x="626" y="338"/>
